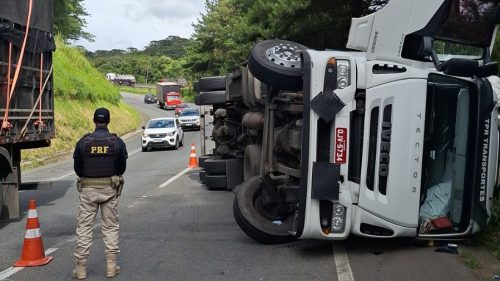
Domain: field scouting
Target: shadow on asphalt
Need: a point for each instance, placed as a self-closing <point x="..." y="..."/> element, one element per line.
<point x="43" y="192"/>
<point x="379" y="246"/>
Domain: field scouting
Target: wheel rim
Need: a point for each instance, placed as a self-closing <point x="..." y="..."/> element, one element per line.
<point x="284" y="54"/>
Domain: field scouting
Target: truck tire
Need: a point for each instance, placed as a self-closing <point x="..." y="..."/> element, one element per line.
<point x="251" y="161"/>
<point x="203" y="158"/>
<point x="209" y="98"/>
<point x="215" y="166"/>
<point x="253" y="222"/>
<point x="215" y="182"/>
<point x="215" y="83"/>
<point x="202" y="174"/>
<point x="277" y="63"/>
<point x="196" y="86"/>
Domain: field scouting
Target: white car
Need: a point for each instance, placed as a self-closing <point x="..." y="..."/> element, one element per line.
<point x="189" y="118"/>
<point x="162" y="133"/>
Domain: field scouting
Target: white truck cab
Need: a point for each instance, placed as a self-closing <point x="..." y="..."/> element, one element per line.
<point x="402" y="136"/>
<point x="397" y="137"/>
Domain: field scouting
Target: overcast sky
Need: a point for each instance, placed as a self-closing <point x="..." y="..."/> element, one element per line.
<point x="119" y="24"/>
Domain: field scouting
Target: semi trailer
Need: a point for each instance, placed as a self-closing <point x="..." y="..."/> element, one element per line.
<point x="26" y="90"/>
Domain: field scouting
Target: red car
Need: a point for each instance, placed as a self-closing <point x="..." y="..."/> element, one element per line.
<point x="179" y="107"/>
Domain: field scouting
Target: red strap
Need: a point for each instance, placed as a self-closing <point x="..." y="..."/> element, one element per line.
<point x="18" y="67"/>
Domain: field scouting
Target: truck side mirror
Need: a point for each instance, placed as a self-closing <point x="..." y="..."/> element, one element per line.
<point x="143" y="127"/>
<point x="425" y="48"/>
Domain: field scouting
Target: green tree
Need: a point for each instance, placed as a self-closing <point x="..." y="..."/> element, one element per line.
<point x="69" y="20"/>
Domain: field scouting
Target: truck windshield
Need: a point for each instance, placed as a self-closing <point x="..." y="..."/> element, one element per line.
<point x="449" y="112"/>
<point x="470" y="22"/>
<point x="160" y="124"/>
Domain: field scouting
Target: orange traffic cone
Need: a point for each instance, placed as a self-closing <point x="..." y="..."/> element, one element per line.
<point x="193" y="161"/>
<point x="33" y="253"/>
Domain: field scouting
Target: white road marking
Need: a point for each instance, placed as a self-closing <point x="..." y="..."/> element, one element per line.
<point x="61" y="177"/>
<point x="134" y="152"/>
<point x="172" y="179"/>
<point x="13" y="270"/>
<point x="344" y="272"/>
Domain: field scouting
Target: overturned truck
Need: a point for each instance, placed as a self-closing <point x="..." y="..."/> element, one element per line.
<point x="26" y="90"/>
<point x="396" y="139"/>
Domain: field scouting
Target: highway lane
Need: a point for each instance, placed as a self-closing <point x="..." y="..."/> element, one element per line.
<point x="185" y="232"/>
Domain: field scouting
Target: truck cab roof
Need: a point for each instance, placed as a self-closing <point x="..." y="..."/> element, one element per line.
<point x="394" y="32"/>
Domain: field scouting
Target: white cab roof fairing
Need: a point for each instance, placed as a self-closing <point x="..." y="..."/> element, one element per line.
<point x="381" y="34"/>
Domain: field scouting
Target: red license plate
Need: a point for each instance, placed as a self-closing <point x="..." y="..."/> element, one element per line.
<point x="340" y="145"/>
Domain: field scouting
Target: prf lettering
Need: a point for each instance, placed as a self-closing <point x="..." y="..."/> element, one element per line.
<point x="99" y="149"/>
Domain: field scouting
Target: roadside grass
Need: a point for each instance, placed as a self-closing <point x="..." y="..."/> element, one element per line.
<point x="73" y="119"/>
<point x="136" y="90"/>
<point x="78" y="90"/>
<point x="483" y="255"/>
<point x="76" y="79"/>
<point x="490" y="238"/>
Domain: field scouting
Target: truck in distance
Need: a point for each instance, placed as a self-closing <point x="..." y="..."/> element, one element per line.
<point x="168" y="94"/>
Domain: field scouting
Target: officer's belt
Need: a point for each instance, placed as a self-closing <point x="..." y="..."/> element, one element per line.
<point x="97" y="182"/>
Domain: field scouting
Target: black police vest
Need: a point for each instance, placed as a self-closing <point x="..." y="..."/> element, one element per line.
<point x="99" y="156"/>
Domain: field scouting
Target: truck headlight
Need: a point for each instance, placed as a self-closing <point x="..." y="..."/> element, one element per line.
<point x="343" y="74"/>
<point x="170" y="134"/>
<point x="145" y="135"/>
<point x="338" y="218"/>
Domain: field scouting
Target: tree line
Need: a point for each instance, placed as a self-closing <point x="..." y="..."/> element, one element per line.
<point x="225" y="32"/>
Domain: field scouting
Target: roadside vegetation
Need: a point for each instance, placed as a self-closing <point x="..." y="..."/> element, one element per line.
<point x="136" y="90"/>
<point x="79" y="89"/>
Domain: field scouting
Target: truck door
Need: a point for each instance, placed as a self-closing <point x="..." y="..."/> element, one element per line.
<point x="392" y="153"/>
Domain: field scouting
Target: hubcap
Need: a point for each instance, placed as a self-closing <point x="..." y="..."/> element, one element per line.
<point x="286" y="55"/>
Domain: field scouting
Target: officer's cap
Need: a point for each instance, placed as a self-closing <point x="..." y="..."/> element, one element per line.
<point x="101" y="115"/>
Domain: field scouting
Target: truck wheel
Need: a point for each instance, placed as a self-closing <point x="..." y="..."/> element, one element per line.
<point x="215" y="83"/>
<point x="277" y="63"/>
<point x="257" y="223"/>
<point x="209" y="98"/>
<point x="215" y="182"/>
<point x="251" y="161"/>
<point x="215" y="166"/>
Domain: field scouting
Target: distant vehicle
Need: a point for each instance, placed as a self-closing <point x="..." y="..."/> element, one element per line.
<point x="162" y="133"/>
<point x="179" y="108"/>
<point x="190" y="118"/>
<point x="168" y="94"/>
<point x="123" y="79"/>
<point x="110" y="76"/>
<point x="149" y="98"/>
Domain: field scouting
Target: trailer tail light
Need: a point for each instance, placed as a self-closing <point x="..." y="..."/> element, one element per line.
<point x="340" y="146"/>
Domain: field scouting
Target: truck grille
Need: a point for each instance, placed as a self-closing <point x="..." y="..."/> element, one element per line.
<point x="372" y="148"/>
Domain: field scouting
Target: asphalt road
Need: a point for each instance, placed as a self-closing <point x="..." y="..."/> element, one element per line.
<point x="182" y="231"/>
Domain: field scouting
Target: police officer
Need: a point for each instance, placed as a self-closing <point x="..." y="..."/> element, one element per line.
<point x="100" y="159"/>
